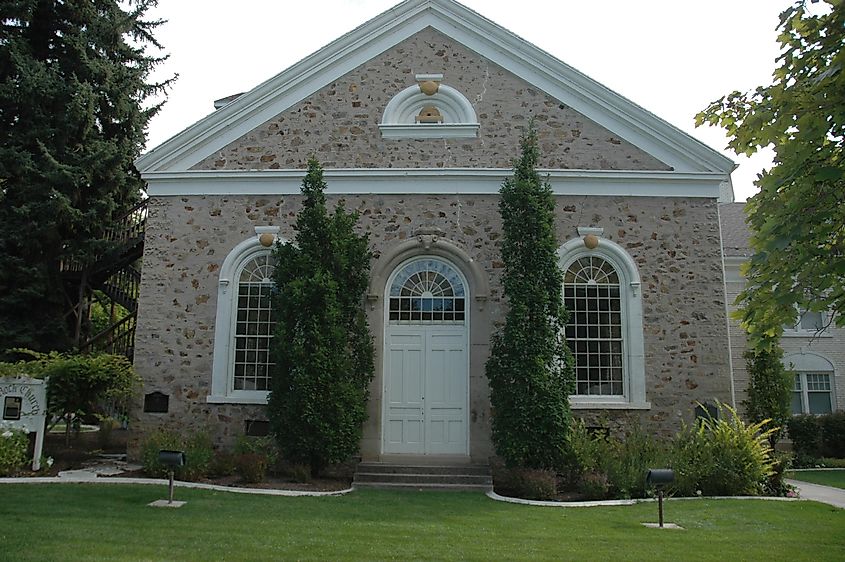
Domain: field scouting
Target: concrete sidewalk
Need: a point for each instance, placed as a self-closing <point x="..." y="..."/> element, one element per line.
<point x="825" y="494"/>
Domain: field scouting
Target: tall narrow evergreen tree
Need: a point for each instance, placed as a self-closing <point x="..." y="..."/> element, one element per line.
<point x="769" y="388"/>
<point x="73" y="83"/>
<point x="531" y="369"/>
<point x="322" y="347"/>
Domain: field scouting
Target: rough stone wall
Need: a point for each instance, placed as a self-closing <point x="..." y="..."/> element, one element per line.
<point x="339" y="123"/>
<point x="674" y="241"/>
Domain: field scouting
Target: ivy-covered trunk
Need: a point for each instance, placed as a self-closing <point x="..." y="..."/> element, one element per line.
<point x="531" y="369"/>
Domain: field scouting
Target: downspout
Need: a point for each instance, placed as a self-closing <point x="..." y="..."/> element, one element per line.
<point x="727" y="312"/>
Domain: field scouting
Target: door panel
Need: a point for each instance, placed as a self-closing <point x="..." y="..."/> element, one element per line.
<point x="426" y="390"/>
<point x="404" y="415"/>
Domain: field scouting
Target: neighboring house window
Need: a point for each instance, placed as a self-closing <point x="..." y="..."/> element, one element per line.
<point x="592" y="295"/>
<point x="245" y="324"/>
<point x="813" y="391"/>
<point x="812" y="394"/>
<point x="808" y="323"/>
<point x="601" y="290"/>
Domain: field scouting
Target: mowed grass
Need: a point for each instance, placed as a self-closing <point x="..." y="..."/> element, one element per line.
<point x="91" y="522"/>
<point x="835" y="478"/>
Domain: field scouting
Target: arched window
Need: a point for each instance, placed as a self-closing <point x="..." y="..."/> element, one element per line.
<point x="601" y="290"/>
<point x="427" y="290"/>
<point x="591" y="293"/>
<point x="253" y="325"/>
<point x="245" y="324"/>
<point x="442" y="112"/>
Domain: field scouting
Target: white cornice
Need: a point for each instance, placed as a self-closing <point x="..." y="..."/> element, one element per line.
<point x="583" y="94"/>
<point x="431" y="181"/>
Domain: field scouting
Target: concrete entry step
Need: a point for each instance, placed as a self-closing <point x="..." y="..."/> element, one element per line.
<point x="390" y="468"/>
<point x="423" y="476"/>
<point x="423" y="487"/>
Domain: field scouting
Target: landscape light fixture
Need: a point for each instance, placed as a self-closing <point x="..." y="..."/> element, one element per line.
<point x="660" y="478"/>
<point x="172" y="460"/>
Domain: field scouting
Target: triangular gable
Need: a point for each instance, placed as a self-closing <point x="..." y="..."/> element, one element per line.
<point x="584" y="95"/>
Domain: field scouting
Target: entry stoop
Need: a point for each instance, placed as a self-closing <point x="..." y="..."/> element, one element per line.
<point x="420" y="476"/>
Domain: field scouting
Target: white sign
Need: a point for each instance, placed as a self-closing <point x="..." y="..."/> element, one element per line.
<point x="23" y="405"/>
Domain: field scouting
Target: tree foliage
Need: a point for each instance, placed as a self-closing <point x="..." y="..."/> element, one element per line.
<point x="322" y="347"/>
<point x="769" y="389"/>
<point x="79" y="385"/>
<point x="73" y="82"/>
<point x="530" y="367"/>
<point x="798" y="217"/>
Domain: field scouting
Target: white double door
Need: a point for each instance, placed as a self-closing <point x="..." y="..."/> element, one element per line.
<point x="426" y="389"/>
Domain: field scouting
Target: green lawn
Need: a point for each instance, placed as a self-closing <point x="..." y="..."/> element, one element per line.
<point x="835" y="478"/>
<point x="89" y="522"/>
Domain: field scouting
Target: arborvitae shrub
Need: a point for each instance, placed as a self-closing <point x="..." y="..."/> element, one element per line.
<point x="322" y="348"/>
<point x="531" y="369"/>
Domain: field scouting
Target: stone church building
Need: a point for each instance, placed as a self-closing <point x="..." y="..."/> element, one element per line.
<point x="416" y="117"/>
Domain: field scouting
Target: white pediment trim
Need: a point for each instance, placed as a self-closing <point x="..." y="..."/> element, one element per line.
<point x="614" y="112"/>
<point x="461" y="181"/>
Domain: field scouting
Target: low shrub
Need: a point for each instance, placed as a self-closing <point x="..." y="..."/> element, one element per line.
<point x="805" y="431"/>
<point x="833" y="434"/>
<point x="265" y="446"/>
<point x="299" y="472"/>
<point x="595" y="485"/>
<point x="251" y="467"/>
<point x="586" y="470"/>
<point x="13" y="451"/>
<point x="527" y="483"/>
<point x="776" y="484"/>
<point x="223" y="464"/>
<point x="630" y="460"/>
<point x="722" y="457"/>
<point x="815" y="436"/>
<point x="107" y="425"/>
<point x="198" y="450"/>
<point x="607" y="466"/>
<point x="829" y="462"/>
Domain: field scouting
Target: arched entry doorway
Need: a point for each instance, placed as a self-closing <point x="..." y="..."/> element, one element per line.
<point x="426" y="359"/>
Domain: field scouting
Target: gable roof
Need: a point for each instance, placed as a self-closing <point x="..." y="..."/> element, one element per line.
<point x="621" y="116"/>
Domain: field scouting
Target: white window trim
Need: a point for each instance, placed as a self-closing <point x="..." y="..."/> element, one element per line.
<point x="222" y="371"/>
<point x="399" y="118"/>
<point x="633" y="345"/>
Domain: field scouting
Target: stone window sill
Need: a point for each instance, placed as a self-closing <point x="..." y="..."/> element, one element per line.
<point x="430" y="131"/>
<point x="257" y="398"/>
<point x="576" y="404"/>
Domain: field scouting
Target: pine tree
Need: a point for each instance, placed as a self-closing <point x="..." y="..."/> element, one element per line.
<point x="322" y="347"/>
<point x="531" y="369"/>
<point x="73" y="81"/>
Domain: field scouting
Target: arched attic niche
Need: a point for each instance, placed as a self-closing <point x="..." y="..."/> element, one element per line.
<point x="454" y="115"/>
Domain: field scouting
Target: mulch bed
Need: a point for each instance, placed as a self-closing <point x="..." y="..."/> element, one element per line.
<point x="86" y="449"/>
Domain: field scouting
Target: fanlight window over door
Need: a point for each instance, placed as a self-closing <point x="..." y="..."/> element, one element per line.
<point x="427" y="291"/>
<point x="591" y="292"/>
<point x="254" y="325"/>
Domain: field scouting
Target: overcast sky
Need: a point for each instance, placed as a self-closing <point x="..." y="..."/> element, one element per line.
<point x="672" y="57"/>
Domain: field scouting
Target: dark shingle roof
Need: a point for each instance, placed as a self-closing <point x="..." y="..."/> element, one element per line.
<point x="735" y="233"/>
